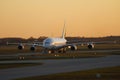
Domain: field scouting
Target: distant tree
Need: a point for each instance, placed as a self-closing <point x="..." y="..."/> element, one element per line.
<point x="41" y="38"/>
<point x="31" y="39"/>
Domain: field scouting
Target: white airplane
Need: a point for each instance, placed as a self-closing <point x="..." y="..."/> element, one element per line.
<point x="50" y="45"/>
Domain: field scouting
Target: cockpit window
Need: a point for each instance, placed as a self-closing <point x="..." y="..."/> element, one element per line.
<point x="47" y="42"/>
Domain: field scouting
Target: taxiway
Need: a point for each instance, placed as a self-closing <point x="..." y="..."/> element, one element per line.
<point x="57" y="66"/>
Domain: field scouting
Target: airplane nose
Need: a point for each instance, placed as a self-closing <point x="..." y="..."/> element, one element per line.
<point x="47" y="44"/>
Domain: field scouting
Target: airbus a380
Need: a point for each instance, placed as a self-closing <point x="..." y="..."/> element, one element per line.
<point x="51" y="45"/>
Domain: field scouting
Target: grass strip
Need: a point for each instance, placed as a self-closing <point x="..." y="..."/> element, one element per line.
<point x="17" y="65"/>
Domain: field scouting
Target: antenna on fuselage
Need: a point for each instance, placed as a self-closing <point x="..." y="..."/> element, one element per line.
<point x="64" y="32"/>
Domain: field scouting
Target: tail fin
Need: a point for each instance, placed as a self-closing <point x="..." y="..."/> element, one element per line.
<point x="64" y="32"/>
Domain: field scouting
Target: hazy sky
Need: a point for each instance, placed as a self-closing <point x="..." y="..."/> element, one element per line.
<point x="89" y="18"/>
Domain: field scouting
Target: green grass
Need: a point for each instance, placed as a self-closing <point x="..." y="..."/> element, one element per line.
<point x="17" y="65"/>
<point x="112" y="73"/>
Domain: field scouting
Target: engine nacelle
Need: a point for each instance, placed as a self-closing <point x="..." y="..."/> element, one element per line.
<point x="20" y="47"/>
<point x="90" y="46"/>
<point x="73" y="47"/>
<point x="32" y="48"/>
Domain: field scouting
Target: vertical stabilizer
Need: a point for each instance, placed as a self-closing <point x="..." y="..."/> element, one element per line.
<point x="63" y="33"/>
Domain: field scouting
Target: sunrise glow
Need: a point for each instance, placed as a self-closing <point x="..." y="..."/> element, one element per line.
<point x="89" y="18"/>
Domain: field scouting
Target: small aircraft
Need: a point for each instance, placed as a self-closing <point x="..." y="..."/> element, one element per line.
<point x="50" y="45"/>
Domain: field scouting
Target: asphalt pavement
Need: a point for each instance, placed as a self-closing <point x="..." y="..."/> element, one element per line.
<point x="57" y="66"/>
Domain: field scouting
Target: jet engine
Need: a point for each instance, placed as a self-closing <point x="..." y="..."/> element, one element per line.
<point x="20" y="47"/>
<point x="90" y="46"/>
<point x="32" y="48"/>
<point x="73" y="47"/>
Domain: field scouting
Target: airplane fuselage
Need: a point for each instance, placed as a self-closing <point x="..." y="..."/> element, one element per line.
<point x="50" y="43"/>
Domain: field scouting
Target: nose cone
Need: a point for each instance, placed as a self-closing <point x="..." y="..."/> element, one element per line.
<point x="47" y="42"/>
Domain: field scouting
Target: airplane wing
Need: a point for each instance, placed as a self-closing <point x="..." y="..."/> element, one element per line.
<point x="90" y="45"/>
<point x="84" y="43"/>
<point x="32" y="45"/>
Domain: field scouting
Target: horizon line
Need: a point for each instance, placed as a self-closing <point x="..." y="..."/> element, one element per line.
<point x="66" y="36"/>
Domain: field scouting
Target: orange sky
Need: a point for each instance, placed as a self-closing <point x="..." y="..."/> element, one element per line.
<point x="89" y="18"/>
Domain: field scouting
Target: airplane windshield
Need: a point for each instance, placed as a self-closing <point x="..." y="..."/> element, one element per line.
<point x="47" y="43"/>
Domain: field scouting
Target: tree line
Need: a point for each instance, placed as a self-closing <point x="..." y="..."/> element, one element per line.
<point x="3" y="41"/>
